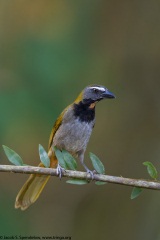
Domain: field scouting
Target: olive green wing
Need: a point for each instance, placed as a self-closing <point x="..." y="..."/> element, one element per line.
<point x="56" y="127"/>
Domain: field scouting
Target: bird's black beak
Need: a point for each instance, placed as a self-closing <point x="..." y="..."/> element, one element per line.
<point x="108" y="94"/>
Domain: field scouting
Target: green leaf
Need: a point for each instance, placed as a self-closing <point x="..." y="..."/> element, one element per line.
<point x="69" y="159"/>
<point x="136" y="192"/>
<point x="152" y="171"/>
<point x="60" y="158"/>
<point x="12" y="156"/>
<point x="100" y="183"/>
<point x="44" y="156"/>
<point x="97" y="164"/>
<point x="77" y="181"/>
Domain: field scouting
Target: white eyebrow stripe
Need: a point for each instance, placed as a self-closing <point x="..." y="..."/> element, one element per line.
<point x="99" y="88"/>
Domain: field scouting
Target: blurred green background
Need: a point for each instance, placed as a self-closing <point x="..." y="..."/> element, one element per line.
<point x="49" y="51"/>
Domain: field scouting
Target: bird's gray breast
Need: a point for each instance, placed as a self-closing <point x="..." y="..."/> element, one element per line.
<point x="73" y="134"/>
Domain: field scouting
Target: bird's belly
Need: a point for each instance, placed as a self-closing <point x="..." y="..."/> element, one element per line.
<point x="73" y="136"/>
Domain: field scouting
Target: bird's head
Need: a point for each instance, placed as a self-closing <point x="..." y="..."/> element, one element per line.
<point x="93" y="94"/>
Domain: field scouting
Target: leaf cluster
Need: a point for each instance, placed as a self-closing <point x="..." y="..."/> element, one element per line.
<point x="65" y="159"/>
<point x="68" y="162"/>
<point x="152" y="171"/>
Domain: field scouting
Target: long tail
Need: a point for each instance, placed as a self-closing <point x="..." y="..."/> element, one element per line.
<point x="32" y="188"/>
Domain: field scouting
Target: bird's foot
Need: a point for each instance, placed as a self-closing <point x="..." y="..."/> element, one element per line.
<point x="88" y="170"/>
<point x="59" y="170"/>
<point x="91" y="173"/>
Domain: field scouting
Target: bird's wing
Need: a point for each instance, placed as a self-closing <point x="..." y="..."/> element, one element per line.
<point x="56" y="127"/>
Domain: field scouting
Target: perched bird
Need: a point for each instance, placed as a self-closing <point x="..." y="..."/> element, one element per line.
<point x="71" y="132"/>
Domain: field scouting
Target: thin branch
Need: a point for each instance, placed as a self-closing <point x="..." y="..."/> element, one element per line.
<point x="155" y="185"/>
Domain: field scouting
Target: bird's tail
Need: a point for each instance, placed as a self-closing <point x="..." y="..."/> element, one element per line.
<point x="32" y="188"/>
<point x="30" y="191"/>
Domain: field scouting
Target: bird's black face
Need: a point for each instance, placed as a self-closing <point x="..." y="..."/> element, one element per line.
<point x="84" y="105"/>
<point x="95" y="93"/>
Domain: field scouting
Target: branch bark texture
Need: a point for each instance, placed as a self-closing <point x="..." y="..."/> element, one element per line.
<point x="155" y="185"/>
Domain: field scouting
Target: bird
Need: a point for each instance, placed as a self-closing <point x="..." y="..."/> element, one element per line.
<point x="71" y="131"/>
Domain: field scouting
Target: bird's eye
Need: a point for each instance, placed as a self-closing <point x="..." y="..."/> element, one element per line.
<point x="95" y="90"/>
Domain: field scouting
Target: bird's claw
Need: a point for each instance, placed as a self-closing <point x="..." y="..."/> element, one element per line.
<point x="91" y="173"/>
<point x="59" y="171"/>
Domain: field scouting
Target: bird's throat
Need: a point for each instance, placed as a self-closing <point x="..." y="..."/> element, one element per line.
<point x="84" y="111"/>
<point x="92" y="105"/>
